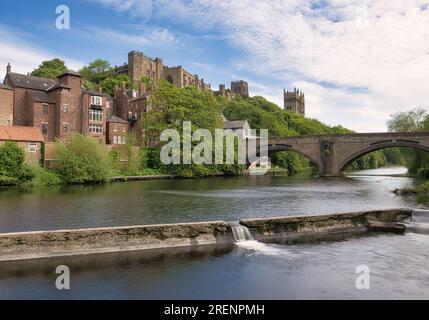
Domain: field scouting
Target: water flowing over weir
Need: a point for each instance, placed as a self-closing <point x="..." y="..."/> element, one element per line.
<point x="419" y="222"/>
<point x="241" y="233"/>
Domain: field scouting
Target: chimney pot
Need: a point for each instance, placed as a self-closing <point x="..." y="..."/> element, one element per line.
<point x="8" y="68"/>
<point x="124" y="87"/>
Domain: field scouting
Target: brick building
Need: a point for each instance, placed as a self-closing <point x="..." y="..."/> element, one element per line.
<point x="58" y="107"/>
<point x="130" y="105"/>
<point x="6" y="105"/>
<point x="28" y="138"/>
<point x="117" y="131"/>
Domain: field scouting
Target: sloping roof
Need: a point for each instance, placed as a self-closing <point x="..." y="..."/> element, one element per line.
<point x="235" y="124"/>
<point x="21" y="134"/>
<point x="115" y="119"/>
<point x="95" y="93"/>
<point x="30" y="82"/>
<point x="71" y="73"/>
<point x="3" y="86"/>
<point x="41" y="96"/>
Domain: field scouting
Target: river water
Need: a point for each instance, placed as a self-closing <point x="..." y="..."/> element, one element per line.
<point x="398" y="265"/>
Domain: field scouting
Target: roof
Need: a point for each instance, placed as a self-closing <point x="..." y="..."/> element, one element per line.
<point x="235" y="124"/>
<point x="30" y="82"/>
<point x="21" y="134"/>
<point x="3" y="86"/>
<point x="116" y="119"/>
<point x="70" y="73"/>
<point x="41" y="96"/>
<point x="95" y="93"/>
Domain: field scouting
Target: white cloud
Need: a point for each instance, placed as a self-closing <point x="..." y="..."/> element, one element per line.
<point x="23" y="55"/>
<point x="382" y="46"/>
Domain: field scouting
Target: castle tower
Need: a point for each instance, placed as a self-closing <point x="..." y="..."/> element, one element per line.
<point x="294" y="102"/>
<point x="241" y="88"/>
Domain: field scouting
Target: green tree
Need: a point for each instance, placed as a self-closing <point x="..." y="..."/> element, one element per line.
<point x="50" y="69"/>
<point x="108" y="84"/>
<point x="97" y="71"/>
<point x="13" y="169"/>
<point x="408" y="121"/>
<point x="83" y="160"/>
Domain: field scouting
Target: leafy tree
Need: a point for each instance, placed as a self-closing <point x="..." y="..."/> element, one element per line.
<point x="97" y="71"/>
<point x="13" y="169"/>
<point x="408" y="121"/>
<point x="414" y="120"/>
<point x="50" y="69"/>
<point x="108" y="84"/>
<point x="82" y="160"/>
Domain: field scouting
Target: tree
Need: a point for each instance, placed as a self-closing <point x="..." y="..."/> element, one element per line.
<point x="97" y="71"/>
<point x="408" y="121"/>
<point x="108" y="84"/>
<point x="412" y="121"/>
<point x="50" y="69"/>
<point x="13" y="169"/>
<point x="82" y="160"/>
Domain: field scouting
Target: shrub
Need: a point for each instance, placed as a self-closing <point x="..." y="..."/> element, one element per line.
<point x="82" y="160"/>
<point x="115" y="161"/>
<point x="13" y="169"/>
<point x="43" y="177"/>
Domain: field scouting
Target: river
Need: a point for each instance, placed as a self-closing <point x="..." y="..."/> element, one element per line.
<point x="399" y="265"/>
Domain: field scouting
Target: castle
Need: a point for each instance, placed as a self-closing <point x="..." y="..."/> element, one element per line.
<point x="294" y="101"/>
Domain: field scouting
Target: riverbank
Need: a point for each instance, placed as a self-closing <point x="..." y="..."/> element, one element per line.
<point x="294" y="229"/>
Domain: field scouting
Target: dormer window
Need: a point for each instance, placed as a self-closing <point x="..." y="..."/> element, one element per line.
<point x="96" y="101"/>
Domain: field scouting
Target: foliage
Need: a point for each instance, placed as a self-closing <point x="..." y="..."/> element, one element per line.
<point x="43" y="177"/>
<point x="115" y="161"/>
<point x="413" y="120"/>
<point x="96" y="71"/>
<point x="13" y="169"/>
<point x="292" y="161"/>
<point x="408" y="121"/>
<point x="50" y="69"/>
<point x="82" y="160"/>
<point x="108" y="84"/>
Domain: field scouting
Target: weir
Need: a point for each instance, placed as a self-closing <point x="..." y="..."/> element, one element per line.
<point x="418" y="222"/>
<point x="289" y="229"/>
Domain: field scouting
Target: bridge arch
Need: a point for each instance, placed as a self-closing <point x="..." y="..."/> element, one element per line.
<point x="379" y="146"/>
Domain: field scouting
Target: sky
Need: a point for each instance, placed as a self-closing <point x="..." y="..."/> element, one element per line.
<point x="358" y="61"/>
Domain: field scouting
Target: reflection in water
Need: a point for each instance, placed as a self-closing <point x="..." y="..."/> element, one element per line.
<point x="249" y="270"/>
<point x="169" y="201"/>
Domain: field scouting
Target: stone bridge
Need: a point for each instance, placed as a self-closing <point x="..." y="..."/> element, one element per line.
<point x="332" y="154"/>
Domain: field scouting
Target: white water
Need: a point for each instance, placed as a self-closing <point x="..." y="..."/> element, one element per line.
<point x="241" y="234"/>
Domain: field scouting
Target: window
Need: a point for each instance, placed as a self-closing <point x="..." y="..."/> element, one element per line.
<point x="65" y="127"/>
<point x="95" y="115"/>
<point x="115" y="139"/>
<point x="124" y="130"/>
<point x="65" y="108"/>
<point x="115" y="128"/>
<point x="107" y="104"/>
<point x="44" y="128"/>
<point x="45" y="108"/>
<point x="95" y="128"/>
<point x="32" y="147"/>
<point x="96" y="101"/>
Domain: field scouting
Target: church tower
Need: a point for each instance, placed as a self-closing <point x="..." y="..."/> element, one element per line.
<point x="294" y="101"/>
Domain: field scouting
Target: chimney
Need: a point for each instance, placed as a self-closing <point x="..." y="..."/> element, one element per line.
<point x="100" y="89"/>
<point x="142" y="88"/>
<point x="124" y="87"/>
<point x="8" y="68"/>
<point x="116" y="90"/>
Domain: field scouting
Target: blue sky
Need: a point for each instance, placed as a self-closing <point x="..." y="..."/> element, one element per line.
<point x="357" y="61"/>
